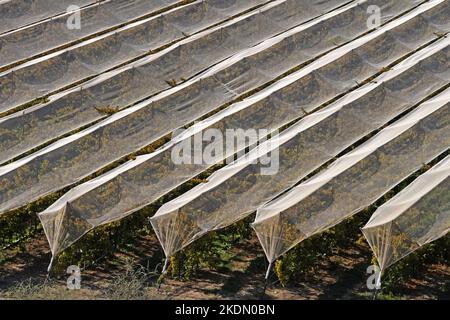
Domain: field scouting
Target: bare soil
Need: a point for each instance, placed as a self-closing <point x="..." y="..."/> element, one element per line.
<point x="342" y="276"/>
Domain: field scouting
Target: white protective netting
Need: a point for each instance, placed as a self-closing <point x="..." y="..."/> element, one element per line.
<point x="145" y="179"/>
<point x="239" y="74"/>
<point x="24" y="131"/>
<point x="45" y="75"/>
<point x="416" y="216"/>
<point x="15" y="14"/>
<point x="240" y="188"/>
<point x="52" y="33"/>
<point x="357" y="179"/>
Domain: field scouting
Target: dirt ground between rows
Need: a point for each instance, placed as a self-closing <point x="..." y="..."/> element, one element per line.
<point x="342" y="276"/>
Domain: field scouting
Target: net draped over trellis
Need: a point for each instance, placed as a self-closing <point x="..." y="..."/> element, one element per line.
<point x="124" y="87"/>
<point x="355" y="180"/>
<point x="89" y="58"/>
<point x="239" y="189"/>
<point x="347" y="109"/>
<point x="53" y="33"/>
<point x="16" y="14"/>
<point x="144" y="180"/>
<point x="416" y="216"/>
<point x="83" y="153"/>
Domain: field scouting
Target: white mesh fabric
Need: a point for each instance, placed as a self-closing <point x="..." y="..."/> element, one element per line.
<point x="15" y="14"/>
<point x="238" y="189"/>
<point x="234" y="76"/>
<point x="355" y="180"/>
<point x="52" y="33"/>
<point x="416" y="216"/>
<point x="45" y="75"/>
<point x="136" y="82"/>
<point x="144" y="180"/>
